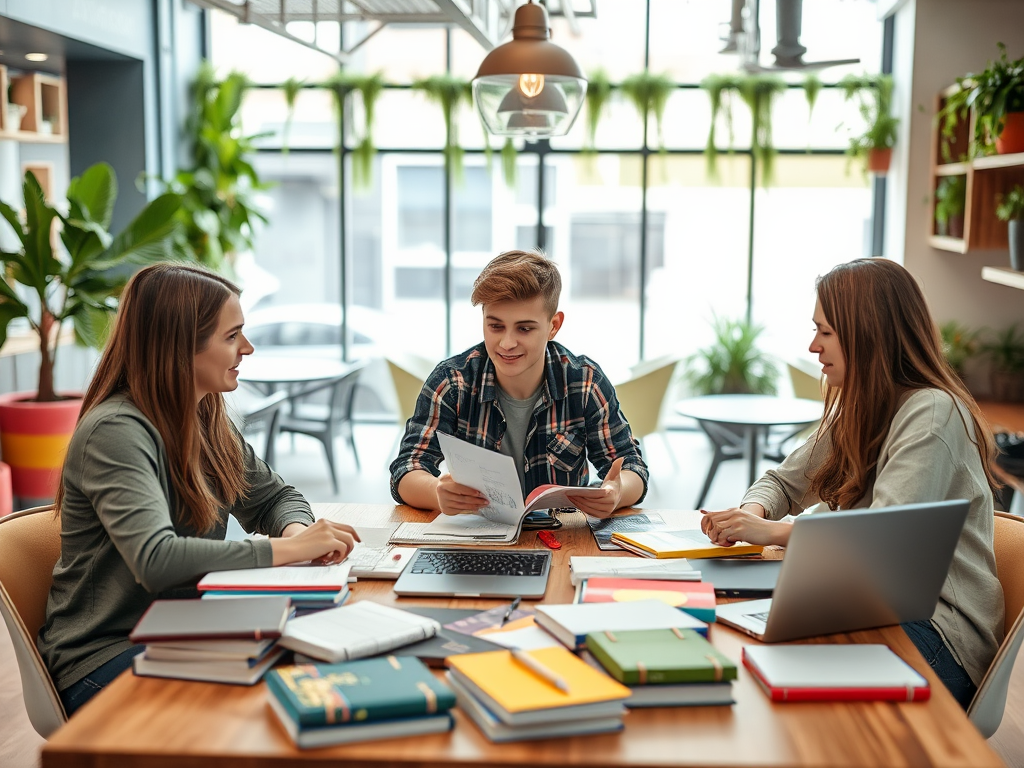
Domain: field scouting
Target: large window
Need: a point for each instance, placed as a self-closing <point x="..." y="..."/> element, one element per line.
<point x="650" y="246"/>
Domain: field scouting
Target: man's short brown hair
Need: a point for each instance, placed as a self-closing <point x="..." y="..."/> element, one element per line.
<point x="519" y="276"/>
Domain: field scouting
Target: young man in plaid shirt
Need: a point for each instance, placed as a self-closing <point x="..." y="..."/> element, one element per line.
<point x="522" y="394"/>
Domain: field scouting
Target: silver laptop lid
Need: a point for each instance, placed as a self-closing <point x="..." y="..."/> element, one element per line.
<point x="864" y="568"/>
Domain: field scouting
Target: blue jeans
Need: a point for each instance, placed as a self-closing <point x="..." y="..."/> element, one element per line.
<point x="76" y="695"/>
<point x="929" y="642"/>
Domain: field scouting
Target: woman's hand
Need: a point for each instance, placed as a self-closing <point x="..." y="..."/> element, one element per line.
<point x="455" y="499"/>
<point x="728" y="526"/>
<point x="324" y="542"/>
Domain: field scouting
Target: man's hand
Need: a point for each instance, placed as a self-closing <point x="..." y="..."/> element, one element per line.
<point x="455" y="499"/>
<point x="728" y="526"/>
<point x="602" y="506"/>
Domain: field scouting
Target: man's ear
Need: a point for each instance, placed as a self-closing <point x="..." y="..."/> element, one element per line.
<point x="556" y="324"/>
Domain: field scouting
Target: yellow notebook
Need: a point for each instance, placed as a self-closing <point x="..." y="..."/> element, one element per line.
<point x="518" y="689"/>
<point x="691" y="544"/>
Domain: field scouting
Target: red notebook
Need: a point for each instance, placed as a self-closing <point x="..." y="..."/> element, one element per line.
<point x="694" y="597"/>
<point x="233" y="618"/>
<point x="834" y="673"/>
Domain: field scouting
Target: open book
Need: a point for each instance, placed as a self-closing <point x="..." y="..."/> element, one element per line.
<point x="494" y="474"/>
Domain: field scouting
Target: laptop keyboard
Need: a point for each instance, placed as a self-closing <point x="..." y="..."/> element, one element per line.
<point x="481" y="563"/>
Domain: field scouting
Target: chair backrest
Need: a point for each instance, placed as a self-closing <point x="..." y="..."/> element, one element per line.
<point x="641" y="398"/>
<point x="986" y="710"/>
<point x="806" y="383"/>
<point x="338" y="392"/>
<point x="29" y="549"/>
<point x="408" y="385"/>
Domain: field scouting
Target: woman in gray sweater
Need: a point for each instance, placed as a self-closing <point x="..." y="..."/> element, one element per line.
<point x="153" y="469"/>
<point x="899" y="427"/>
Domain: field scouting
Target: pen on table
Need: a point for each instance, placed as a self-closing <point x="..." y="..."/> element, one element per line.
<point x="511" y="609"/>
<point x="525" y="659"/>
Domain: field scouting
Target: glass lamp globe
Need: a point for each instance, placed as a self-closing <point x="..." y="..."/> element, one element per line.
<point x="529" y="87"/>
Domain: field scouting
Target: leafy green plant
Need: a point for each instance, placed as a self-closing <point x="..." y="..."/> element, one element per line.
<point x="449" y="93"/>
<point x="291" y="88"/>
<point x="1011" y="205"/>
<point x="992" y="93"/>
<point x="369" y="87"/>
<point x="758" y="92"/>
<point x="950" y="200"/>
<point x="733" y="363"/>
<point x="82" y="282"/>
<point x="1006" y="349"/>
<point x="959" y="344"/>
<point x="649" y="93"/>
<point x="599" y="93"/>
<point x="218" y="207"/>
<point x="873" y="94"/>
<point x="812" y="88"/>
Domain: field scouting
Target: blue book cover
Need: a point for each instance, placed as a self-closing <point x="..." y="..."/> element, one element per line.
<point x="367" y="690"/>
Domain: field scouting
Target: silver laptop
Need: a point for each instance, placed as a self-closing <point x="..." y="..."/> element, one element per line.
<point x="856" y="569"/>
<point x="464" y="572"/>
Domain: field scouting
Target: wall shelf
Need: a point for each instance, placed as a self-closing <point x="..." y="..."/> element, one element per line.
<point x="44" y="99"/>
<point x="1003" y="276"/>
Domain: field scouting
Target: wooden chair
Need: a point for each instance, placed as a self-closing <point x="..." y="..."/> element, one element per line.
<point x="29" y="548"/>
<point x="986" y="709"/>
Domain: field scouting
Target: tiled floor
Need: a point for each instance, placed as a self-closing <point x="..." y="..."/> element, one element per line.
<point x="674" y="486"/>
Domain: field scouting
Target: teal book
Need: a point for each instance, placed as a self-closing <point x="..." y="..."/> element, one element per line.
<point x="652" y="656"/>
<point x="384" y="688"/>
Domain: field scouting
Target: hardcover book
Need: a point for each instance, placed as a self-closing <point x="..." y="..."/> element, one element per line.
<point x="243" y="618"/>
<point x="646" y="657"/>
<point x="694" y="597"/>
<point x="690" y="544"/>
<point x="385" y="688"/>
<point x="571" y="624"/>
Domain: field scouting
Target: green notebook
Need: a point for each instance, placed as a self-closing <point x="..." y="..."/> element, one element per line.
<point x="645" y="656"/>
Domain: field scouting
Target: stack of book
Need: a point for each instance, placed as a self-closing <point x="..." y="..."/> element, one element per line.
<point x="665" y="667"/>
<point x="309" y="587"/>
<point x="519" y="695"/>
<point x="696" y="598"/>
<point x="570" y="624"/>
<point x="670" y="544"/>
<point x="385" y="698"/>
<point x="227" y="641"/>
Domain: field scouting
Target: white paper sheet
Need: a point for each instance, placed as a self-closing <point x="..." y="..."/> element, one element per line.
<point x="491" y="473"/>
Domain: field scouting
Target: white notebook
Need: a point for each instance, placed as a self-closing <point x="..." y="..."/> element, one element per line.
<point x="679" y="569"/>
<point x="355" y="631"/>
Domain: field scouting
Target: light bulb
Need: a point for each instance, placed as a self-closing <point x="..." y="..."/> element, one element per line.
<point x="531" y="85"/>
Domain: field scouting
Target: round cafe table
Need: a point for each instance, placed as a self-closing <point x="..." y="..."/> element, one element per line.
<point x="268" y="372"/>
<point x="738" y="426"/>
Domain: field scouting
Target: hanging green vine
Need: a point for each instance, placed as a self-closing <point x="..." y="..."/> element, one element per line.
<point x="291" y="89"/>
<point x="599" y="93"/>
<point x="509" y="163"/>
<point x="449" y="92"/>
<point x="649" y="93"/>
<point x="758" y="92"/>
<point x="718" y="88"/>
<point x="369" y="87"/>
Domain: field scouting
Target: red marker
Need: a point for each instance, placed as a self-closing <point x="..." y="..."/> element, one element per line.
<point x="548" y="539"/>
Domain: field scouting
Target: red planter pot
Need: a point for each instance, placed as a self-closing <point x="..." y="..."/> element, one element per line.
<point x="1011" y="140"/>
<point x="879" y="161"/>
<point x="34" y="438"/>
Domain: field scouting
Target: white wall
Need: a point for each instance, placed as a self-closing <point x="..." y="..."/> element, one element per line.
<point x="937" y="40"/>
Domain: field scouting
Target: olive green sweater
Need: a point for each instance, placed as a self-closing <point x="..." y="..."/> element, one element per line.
<point x="121" y="548"/>
<point x="928" y="455"/>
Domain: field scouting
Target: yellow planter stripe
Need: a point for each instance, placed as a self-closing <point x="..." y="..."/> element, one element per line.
<point x="34" y="451"/>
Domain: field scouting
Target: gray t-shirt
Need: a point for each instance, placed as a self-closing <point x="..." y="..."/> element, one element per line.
<point x="518" y="418"/>
<point x="121" y="546"/>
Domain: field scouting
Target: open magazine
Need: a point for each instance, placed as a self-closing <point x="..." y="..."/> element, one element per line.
<point x="494" y="474"/>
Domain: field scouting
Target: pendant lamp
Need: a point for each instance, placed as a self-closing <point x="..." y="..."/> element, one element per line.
<point x="529" y="87"/>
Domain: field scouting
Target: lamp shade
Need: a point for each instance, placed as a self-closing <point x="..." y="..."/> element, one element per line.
<point x="529" y="87"/>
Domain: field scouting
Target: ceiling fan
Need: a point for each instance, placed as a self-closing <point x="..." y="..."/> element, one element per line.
<point x="744" y="38"/>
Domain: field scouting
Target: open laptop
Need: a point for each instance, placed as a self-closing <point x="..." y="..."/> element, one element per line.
<point x="856" y="569"/>
<point x="464" y="572"/>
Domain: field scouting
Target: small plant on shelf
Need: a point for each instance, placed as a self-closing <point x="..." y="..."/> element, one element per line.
<point x="950" y="203"/>
<point x="1006" y="351"/>
<point x="959" y="344"/>
<point x="873" y="94"/>
<point x="1011" y="210"/>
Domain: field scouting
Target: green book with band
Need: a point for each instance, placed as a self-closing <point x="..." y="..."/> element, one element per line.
<point x="652" y="656"/>
<point x="384" y="688"/>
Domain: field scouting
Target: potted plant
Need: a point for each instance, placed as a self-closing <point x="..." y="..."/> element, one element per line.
<point x="996" y="94"/>
<point x="1006" y="351"/>
<point x="959" y="344"/>
<point x="874" y="146"/>
<point x="80" y="285"/>
<point x="1011" y="210"/>
<point x="950" y="203"/>
<point x="733" y="363"/>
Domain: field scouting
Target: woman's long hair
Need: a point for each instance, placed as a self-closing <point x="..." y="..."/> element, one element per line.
<point x="892" y="346"/>
<point x="167" y="314"/>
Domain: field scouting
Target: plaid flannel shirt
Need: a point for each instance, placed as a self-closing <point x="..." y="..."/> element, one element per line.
<point x="576" y="418"/>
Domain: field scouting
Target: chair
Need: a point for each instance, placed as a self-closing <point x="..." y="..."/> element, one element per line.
<point x="29" y="548"/>
<point x="254" y="412"/>
<point x="323" y="420"/>
<point x="408" y="373"/>
<point x="986" y="709"/>
<point x="806" y="381"/>
<point x="642" y="399"/>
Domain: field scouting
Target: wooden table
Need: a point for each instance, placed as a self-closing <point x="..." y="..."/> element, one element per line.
<point x="140" y="721"/>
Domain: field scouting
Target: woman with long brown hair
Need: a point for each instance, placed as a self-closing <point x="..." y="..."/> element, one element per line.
<point x="152" y="472"/>
<point x="899" y="427"/>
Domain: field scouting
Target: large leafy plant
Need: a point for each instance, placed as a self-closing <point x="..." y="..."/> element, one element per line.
<point x="82" y="281"/>
<point x="733" y="364"/>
